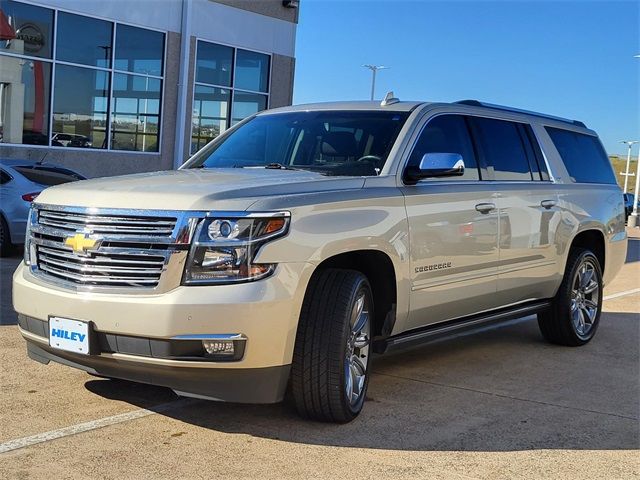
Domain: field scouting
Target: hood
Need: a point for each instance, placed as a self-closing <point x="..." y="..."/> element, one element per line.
<point x="193" y="189"/>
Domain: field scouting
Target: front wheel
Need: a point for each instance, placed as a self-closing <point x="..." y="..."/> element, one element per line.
<point x="331" y="360"/>
<point x="574" y="315"/>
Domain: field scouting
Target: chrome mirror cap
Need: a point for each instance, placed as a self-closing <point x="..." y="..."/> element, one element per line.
<point x="435" y="165"/>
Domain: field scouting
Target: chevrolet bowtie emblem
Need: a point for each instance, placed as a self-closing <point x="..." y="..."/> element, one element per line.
<point x="80" y="242"/>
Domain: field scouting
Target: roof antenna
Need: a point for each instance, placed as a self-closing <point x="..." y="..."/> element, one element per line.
<point x="389" y="99"/>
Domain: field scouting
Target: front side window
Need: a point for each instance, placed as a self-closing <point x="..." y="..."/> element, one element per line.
<point x="501" y="145"/>
<point x="583" y="156"/>
<point x="345" y="143"/>
<point x="447" y="134"/>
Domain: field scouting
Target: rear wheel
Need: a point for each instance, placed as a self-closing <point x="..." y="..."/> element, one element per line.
<point x="574" y="315"/>
<point x="5" y="238"/>
<point x="331" y="362"/>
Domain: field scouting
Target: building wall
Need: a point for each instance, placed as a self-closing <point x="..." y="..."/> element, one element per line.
<point x="263" y="25"/>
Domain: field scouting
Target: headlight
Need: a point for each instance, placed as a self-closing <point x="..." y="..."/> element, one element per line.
<point x="224" y="248"/>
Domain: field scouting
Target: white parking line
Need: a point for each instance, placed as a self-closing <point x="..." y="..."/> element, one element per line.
<point x="622" y="294"/>
<point x="92" y="425"/>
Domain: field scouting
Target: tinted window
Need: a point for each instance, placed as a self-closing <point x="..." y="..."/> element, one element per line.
<point x="83" y="40"/>
<point x="210" y="112"/>
<point x="32" y="26"/>
<point x="213" y="65"/>
<point x="252" y="71"/>
<point x="501" y="146"/>
<point x="139" y="50"/>
<point x="135" y="113"/>
<point x="80" y="111"/>
<point x="583" y="156"/>
<point x="4" y="177"/>
<point x="246" y="104"/>
<point x="47" y="176"/>
<point x="447" y="134"/>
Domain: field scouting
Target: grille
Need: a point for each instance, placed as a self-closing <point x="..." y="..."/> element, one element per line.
<point x="121" y="269"/>
<point x="131" y="250"/>
<point x="107" y="224"/>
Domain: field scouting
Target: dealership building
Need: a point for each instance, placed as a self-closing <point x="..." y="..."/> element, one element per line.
<point x="115" y="86"/>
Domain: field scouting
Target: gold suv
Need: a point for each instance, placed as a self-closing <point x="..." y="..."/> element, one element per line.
<point x="304" y="239"/>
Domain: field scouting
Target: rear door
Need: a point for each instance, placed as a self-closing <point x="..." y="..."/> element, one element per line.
<point x="528" y="209"/>
<point x="453" y="230"/>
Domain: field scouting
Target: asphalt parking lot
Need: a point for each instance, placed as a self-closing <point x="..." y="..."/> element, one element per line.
<point x="499" y="404"/>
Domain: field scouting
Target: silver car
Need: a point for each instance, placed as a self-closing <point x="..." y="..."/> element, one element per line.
<point x="21" y="182"/>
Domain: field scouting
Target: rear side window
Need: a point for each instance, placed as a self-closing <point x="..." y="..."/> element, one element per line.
<point x="583" y="156"/>
<point x="447" y="134"/>
<point x="502" y="146"/>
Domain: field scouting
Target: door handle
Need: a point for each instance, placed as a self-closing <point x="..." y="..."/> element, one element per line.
<point x="485" y="207"/>
<point x="548" y="204"/>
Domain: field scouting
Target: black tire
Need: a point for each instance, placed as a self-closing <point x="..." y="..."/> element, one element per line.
<point x="557" y="324"/>
<point x="320" y="368"/>
<point x="5" y="238"/>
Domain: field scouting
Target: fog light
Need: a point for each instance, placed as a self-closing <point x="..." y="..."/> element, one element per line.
<point x="219" y="347"/>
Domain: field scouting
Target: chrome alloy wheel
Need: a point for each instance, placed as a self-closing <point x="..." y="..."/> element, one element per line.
<point x="357" y="349"/>
<point x="585" y="298"/>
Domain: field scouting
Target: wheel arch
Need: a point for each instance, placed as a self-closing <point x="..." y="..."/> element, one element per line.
<point x="379" y="269"/>
<point x="592" y="239"/>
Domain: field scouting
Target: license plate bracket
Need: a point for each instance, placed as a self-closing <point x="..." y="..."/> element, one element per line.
<point x="69" y="335"/>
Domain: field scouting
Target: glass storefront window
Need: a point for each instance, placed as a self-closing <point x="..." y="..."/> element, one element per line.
<point x="252" y="71"/>
<point x="80" y="112"/>
<point x="83" y="40"/>
<point x="29" y="29"/>
<point x="214" y="64"/>
<point x="139" y="50"/>
<point x="215" y="108"/>
<point x="210" y="113"/>
<point x="246" y="104"/>
<point x="24" y="101"/>
<point x="135" y="119"/>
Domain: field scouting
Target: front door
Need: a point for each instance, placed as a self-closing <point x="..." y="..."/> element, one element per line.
<point x="453" y="231"/>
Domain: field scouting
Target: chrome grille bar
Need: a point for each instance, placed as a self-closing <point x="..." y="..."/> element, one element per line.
<point x="133" y="249"/>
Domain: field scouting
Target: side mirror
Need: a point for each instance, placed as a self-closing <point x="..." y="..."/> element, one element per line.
<point x="435" y="165"/>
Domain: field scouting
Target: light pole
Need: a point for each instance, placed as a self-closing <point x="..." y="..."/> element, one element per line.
<point x="633" y="219"/>
<point x="629" y="144"/>
<point x="374" y="70"/>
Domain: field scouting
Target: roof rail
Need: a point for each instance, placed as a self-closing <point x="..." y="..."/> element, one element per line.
<point x="476" y="103"/>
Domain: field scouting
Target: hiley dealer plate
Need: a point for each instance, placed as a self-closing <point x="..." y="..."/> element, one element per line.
<point x="69" y="335"/>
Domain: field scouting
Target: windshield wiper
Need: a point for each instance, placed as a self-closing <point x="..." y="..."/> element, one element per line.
<point x="279" y="166"/>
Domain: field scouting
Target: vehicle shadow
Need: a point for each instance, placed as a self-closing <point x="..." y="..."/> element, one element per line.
<point x="502" y="389"/>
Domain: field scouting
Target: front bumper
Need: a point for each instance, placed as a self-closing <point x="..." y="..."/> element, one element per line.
<point x="265" y="312"/>
<point x="246" y="385"/>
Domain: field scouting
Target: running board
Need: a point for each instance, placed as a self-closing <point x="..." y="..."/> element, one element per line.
<point x="457" y="326"/>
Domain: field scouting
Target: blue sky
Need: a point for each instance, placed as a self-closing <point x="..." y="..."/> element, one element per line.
<point x="567" y="58"/>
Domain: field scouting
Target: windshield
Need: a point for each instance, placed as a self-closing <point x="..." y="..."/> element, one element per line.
<point x="346" y="143"/>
